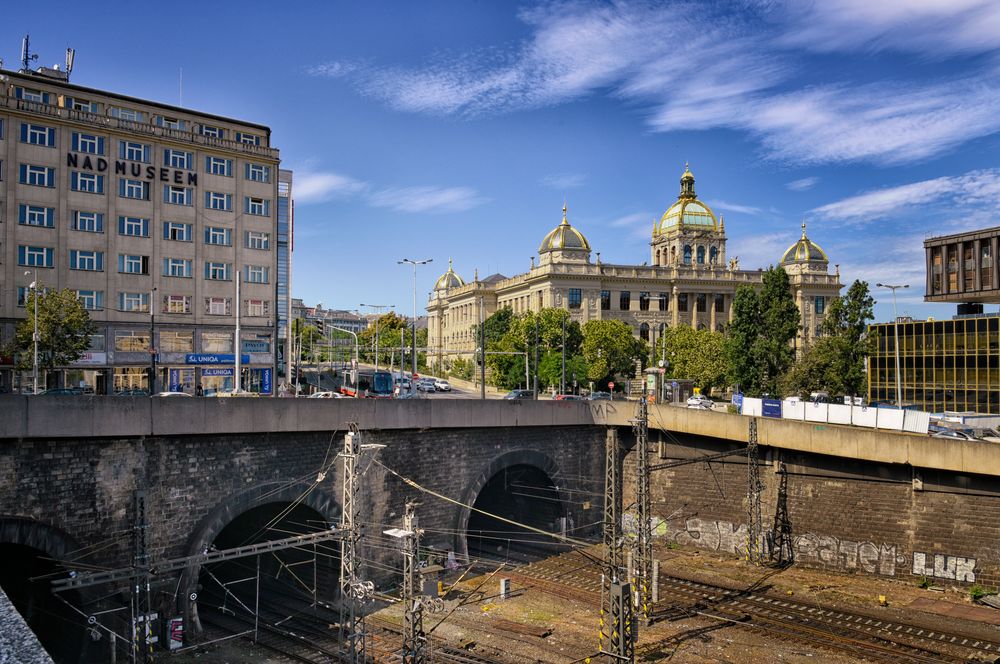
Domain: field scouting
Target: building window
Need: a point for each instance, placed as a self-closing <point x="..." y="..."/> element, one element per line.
<point x="217" y="306"/>
<point x="133" y="302"/>
<point x="89" y="222"/>
<point x="605" y="300"/>
<point x="37" y="176"/>
<point x="643" y="301"/>
<point x="131" y="341"/>
<point x="820" y="305"/>
<point x="36" y="215"/>
<point x="216" y="342"/>
<point x="176" y="195"/>
<point x="687" y="254"/>
<point x="258" y="308"/>
<point x="713" y="255"/>
<point x="132" y="151"/>
<point x="136" y="189"/>
<point x="215" y="200"/>
<point x="177" y="159"/>
<point x="29" y="256"/>
<point x="682" y="302"/>
<point x="720" y="303"/>
<point x="217" y="271"/>
<point x="644" y="331"/>
<point x="168" y="122"/>
<point x="35" y="96"/>
<point x="91" y="183"/>
<point x="176" y="342"/>
<point x="176" y="304"/>
<point x="256" y="274"/>
<point x="33" y="134"/>
<point x="664" y="301"/>
<point x="89" y="261"/>
<point x="220" y="236"/>
<point x="257" y="240"/>
<point x="257" y="206"/>
<point x="625" y="300"/>
<point x="701" y="302"/>
<point x="176" y="267"/>
<point x="219" y="166"/>
<point x="986" y="265"/>
<point x="575" y="298"/>
<point x="133" y="264"/>
<point x="123" y="113"/>
<point x="88" y="143"/>
<point x="176" y="230"/>
<point x="258" y="172"/>
<point x="77" y="104"/>
<point x="247" y="139"/>
<point x="92" y="300"/>
<point x="214" y="132"/>
<point x="701" y="255"/>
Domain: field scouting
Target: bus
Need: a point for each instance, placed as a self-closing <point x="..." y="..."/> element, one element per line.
<point x="368" y="384"/>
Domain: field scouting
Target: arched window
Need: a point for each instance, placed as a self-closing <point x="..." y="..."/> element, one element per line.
<point x="701" y="255"/>
<point x="644" y="331"/>
<point x="687" y="254"/>
<point x="713" y="255"/>
<point x="657" y="257"/>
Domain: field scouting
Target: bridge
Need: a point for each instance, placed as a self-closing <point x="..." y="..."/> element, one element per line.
<point x="222" y="473"/>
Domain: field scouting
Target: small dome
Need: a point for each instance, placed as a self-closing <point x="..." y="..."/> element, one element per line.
<point x="564" y="236"/>
<point x="688" y="210"/>
<point x="804" y="251"/>
<point x="449" y="279"/>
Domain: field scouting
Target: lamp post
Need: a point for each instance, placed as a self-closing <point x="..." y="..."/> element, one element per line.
<point x="895" y="333"/>
<point x="34" y="335"/>
<point x="152" y="342"/>
<point x="414" y="263"/>
<point x="378" y="308"/>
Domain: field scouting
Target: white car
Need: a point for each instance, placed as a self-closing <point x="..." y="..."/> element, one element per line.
<point x="172" y="394"/>
<point x="700" y="401"/>
<point x="441" y="385"/>
<point x="326" y="395"/>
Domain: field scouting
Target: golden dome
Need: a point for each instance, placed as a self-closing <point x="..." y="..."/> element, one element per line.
<point x="564" y="236"/>
<point x="688" y="210"/>
<point x="804" y="251"/>
<point x="449" y="279"/>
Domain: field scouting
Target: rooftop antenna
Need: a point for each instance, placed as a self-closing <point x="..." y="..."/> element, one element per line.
<point x="70" y="57"/>
<point x="26" y="55"/>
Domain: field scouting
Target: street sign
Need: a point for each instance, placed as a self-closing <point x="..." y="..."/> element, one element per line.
<point x="662" y="371"/>
<point x="611" y="385"/>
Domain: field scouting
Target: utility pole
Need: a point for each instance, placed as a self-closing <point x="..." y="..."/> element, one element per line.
<point x="895" y="333"/>
<point x="378" y="309"/>
<point x="413" y="630"/>
<point x="482" y="356"/>
<point x="643" y="553"/>
<point x="142" y="632"/>
<point x="353" y="591"/>
<point x="535" y="385"/>
<point x="616" y="635"/>
<point x="755" y="554"/>
<point x="414" y="263"/>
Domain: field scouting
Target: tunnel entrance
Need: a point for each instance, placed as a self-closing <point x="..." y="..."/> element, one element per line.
<point x="60" y="629"/>
<point x="524" y="494"/>
<point x="290" y="581"/>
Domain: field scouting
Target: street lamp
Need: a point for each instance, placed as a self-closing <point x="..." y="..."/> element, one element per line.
<point x="414" y="263"/>
<point x="152" y="344"/>
<point x="34" y="336"/>
<point x="378" y="308"/>
<point x="895" y="332"/>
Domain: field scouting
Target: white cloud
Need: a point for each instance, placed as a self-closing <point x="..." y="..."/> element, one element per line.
<point x="759" y="250"/>
<point x="426" y="199"/>
<point x="803" y="184"/>
<point x="641" y="218"/>
<point x="734" y="207"/>
<point x="563" y="180"/>
<point x="974" y="189"/>
<point x="332" y="69"/>
<point x="316" y="186"/>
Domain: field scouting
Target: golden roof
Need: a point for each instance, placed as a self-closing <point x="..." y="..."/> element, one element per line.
<point x="564" y="236"/>
<point x="804" y="251"/>
<point x="449" y="279"/>
<point x="688" y="210"/>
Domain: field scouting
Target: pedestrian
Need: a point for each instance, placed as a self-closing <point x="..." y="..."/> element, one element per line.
<point x="197" y="390"/>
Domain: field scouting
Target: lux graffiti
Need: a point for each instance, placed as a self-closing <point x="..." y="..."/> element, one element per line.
<point x="100" y="164"/>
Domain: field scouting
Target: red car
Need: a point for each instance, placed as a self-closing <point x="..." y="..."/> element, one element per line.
<point x="567" y="397"/>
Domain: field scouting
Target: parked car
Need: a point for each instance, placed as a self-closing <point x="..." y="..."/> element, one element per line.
<point x="700" y="401"/>
<point x="234" y="393"/>
<point x="520" y="394"/>
<point x="62" y="392"/>
<point x="132" y="392"/>
<point x="567" y="397"/>
<point x="326" y="395"/>
<point x="426" y="385"/>
<point x="599" y="396"/>
<point x="172" y="394"/>
<point x="441" y="385"/>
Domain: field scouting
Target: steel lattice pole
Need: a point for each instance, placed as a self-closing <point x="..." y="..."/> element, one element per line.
<point x="643" y="555"/>
<point x="413" y="632"/>
<point x="754" y="526"/>
<point x="349" y="564"/>
<point x="615" y="621"/>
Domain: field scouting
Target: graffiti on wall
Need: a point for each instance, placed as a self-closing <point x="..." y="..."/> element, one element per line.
<point x="820" y="550"/>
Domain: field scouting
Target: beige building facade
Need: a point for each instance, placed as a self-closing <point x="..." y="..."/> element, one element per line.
<point x="152" y="214"/>
<point x="688" y="281"/>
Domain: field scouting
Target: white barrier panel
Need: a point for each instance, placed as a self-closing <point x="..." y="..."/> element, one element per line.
<point x="916" y="421"/>
<point x="753" y="407"/>
<point x="864" y="416"/>
<point x="839" y="414"/>
<point x="890" y="418"/>
<point x="793" y="409"/>
<point x="816" y="412"/>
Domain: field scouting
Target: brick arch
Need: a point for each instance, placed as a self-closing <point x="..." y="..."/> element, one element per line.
<point x="539" y="460"/>
<point x="229" y="509"/>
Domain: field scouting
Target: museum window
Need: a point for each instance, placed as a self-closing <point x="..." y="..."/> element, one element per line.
<point x="644" y="331"/>
<point x="133" y="189"/>
<point x="701" y="255"/>
<point x="720" y="303"/>
<point x="713" y="255"/>
<point x="605" y="300"/>
<point x="701" y="302"/>
<point x="687" y="254"/>
<point x="643" y="301"/>
<point x="625" y="300"/>
<point x="682" y="302"/>
<point x="575" y="298"/>
<point x="91" y="183"/>
<point x="36" y="215"/>
<point x="219" y="166"/>
<point x="664" y="301"/>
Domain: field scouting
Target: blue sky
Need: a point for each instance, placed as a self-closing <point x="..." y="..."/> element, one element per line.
<point x="437" y="129"/>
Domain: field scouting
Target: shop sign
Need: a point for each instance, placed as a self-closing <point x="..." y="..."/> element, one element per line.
<point x="265" y="381"/>
<point x="260" y="358"/>
<point x="256" y="346"/>
<point x="216" y="372"/>
<point x="91" y="358"/>
<point x="225" y="358"/>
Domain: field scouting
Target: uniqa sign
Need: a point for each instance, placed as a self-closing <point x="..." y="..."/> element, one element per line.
<point x="122" y="167"/>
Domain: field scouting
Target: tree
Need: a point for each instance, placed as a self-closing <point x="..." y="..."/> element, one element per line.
<point x="307" y="336"/>
<point x="780" y="320"/>
<point x="698" y="355"/>
<point x="609" y="348"/>
<point x="550" y="370"/>
<point x="64" y="329"/>
<point x="387" y="328"/>
<point x="741" y="342"/>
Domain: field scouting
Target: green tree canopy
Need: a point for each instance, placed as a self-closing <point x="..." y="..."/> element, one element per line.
<point x="610" y="349"/>
<point x="698" y="355"/>
<point x="741" y="341"/>
<point x="64" y="329"/>
<point x="387" y="328"/>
